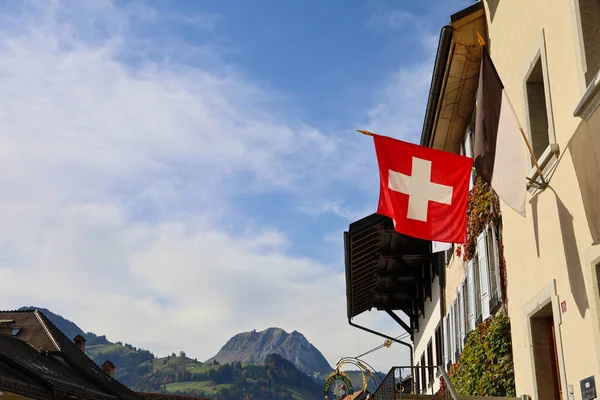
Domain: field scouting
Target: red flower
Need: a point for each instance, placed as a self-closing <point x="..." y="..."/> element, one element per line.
<point x="458" y="251"/>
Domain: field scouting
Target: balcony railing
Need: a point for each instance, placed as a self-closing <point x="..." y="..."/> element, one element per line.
<point x="408" y="383"/>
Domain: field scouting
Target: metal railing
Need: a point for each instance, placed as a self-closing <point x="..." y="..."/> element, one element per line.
<point x="412" y="382"/>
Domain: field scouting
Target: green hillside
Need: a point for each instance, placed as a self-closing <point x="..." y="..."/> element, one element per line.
<point x="140" y="370"/>
<point x="276" y="379"/>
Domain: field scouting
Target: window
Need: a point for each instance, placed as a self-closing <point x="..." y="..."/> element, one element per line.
<point x="439" y="345"/>
<point x="538" y="110"/>
<point x="448" y="255"/>
<point x="484" y="285"/>
<point x="447" y="346"/>
<point x="417" y="379"/>
<point x="430" y="362"/>
<point x="589" y="14"/>
<point x="494" y="267"/>
<point x="540" y="126"/>
<point x="423" y="374"/>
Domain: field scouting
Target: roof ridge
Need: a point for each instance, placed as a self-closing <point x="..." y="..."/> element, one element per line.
<point x="48" y="324"/>
<point x="43" y="320"/>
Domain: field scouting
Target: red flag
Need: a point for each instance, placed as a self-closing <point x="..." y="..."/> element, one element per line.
<point x="425" y="191"/>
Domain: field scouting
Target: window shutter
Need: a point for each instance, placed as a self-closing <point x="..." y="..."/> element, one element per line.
<point x="452" y="335"/>
<point x="497" y="261"/>
<point x="457" y="346"/>
<point x="484" y="285"/>
<point x="465" y="319"/>
<point x="446" y="346"/>
<point x="461" y="317"/>
<point x="472" y="317"/>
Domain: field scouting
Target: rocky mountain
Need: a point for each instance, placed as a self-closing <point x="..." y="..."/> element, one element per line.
<point x="276" y="377"/>
<point x="254" y="347"/>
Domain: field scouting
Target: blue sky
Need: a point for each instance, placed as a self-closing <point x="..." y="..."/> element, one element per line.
<point x="193" y="165"/>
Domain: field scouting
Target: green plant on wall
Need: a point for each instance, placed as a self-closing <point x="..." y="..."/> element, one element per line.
<point x="485" y="366"/>
<point x="483" y="207"/>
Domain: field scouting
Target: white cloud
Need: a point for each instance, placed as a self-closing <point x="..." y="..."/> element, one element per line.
<point x="117" y="191"/>
<point x="400" y="109"/>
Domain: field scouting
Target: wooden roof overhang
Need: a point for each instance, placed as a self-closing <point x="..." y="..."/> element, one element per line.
<point x="456" y="101"/>
<point x="387" y="271"/>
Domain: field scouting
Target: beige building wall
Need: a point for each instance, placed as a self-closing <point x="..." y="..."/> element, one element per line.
<point x="455" y="275"/>
<point x="548" y="253"/>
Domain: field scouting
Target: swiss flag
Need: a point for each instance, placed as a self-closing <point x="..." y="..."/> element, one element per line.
<point x="425" y="191"/>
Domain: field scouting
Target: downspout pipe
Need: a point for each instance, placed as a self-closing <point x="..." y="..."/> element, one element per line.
<point x="384" y="336"/>
<point x="437" y="80"/>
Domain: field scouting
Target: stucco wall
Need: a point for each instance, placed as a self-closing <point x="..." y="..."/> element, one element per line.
<point x="455" y="275"/>
<point x="550" y="244"/>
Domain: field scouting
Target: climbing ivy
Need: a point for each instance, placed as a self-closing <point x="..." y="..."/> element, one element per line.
<point x="483" y="208"/>
<point x="485" y="366"/>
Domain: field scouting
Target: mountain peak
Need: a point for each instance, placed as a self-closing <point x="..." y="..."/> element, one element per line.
<point x="254" y="347"/>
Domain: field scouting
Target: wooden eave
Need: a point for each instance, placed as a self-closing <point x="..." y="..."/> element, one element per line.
<point x="457" y="98"/>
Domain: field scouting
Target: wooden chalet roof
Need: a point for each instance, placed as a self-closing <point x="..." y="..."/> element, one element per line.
<point x="40" y="349"/>
<point x="48" y="370"/>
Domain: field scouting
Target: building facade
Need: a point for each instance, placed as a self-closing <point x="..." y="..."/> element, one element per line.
<point x="542" y="269"/>
<point x="547" y="55"/>
<point x="470" y="289"/>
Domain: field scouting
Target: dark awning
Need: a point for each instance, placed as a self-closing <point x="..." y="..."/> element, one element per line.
<point x="387" y="270"/>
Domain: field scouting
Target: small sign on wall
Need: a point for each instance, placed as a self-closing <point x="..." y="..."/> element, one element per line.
<point x="588" y="388"/>
<point x="563" y="306"/>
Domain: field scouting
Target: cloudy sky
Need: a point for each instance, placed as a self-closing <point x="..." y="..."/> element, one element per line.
<point x="173" y="173"/>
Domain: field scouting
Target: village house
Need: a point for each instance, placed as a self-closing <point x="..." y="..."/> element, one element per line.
<point x="37" y="361"/>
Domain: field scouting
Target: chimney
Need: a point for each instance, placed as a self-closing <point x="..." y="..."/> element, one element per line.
<point x="80" y="342"/>
<point x="6" y="326"/>
<point x="109" y="368"/>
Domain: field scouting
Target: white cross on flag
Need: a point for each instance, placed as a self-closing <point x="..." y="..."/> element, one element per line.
<point x="424" y="191"/>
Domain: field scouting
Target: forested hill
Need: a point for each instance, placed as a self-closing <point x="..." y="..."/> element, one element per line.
<point x="139" y="369"/>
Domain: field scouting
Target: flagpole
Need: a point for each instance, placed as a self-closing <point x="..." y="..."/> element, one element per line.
<point x="367" y="133"/>
<point x="535" y="161"/>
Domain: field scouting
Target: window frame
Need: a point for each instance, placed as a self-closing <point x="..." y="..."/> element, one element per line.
<point x="430" y="364"/>
<point x="580" y="47"/>
<point x="494" y="265"/>
<point x="423" y="374"/>
<point x="549" y="156"/>
<point x="439" y="346"/>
